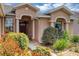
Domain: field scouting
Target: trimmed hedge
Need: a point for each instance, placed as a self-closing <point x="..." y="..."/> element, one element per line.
<point x="50" y="35"/>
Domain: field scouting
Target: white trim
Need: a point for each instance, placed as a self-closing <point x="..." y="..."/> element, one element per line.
<point x="44" y="16"/>
<point x="33" y="29"/>
<point x="17" y="25"/>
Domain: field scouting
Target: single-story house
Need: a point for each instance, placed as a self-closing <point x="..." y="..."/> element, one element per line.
<point x="25" y="18"/>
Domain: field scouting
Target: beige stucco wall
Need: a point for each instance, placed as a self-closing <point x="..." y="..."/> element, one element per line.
<point x="25" y="11"/>
<point x="75" y="24"/>
<point x="42" y="24"/>
<point x="75" y="27"/>
<point x="59" y="14"/>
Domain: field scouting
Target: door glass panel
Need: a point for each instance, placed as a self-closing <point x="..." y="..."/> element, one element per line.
<point x="58" y="25"/>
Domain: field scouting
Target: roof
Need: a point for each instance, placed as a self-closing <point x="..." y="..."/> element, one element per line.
<point x="7" y="9"/>
<point x="1" y="8"/>
<point x="26" y="4"/>
<point x="75" y="15"/>
<point x="64" y="8"/>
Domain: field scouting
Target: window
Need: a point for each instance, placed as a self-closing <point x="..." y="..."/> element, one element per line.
<point x="9" y="24"/>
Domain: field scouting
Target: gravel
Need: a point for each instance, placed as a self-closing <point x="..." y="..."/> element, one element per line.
<point x="68" y="53"/>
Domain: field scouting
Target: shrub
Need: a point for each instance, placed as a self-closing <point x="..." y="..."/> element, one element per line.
<point x="49" y="36"/>
<point x="26" y="53"/>
<point x="1" y="47"/>
<point x="65" y="35"/>
<point x="11" y="47"/>
<point x="20" y="38"/>
<point x="75" y="39"/>
<point x="14" y="44"/>
<point x="61" y="44"/>
<point x="41" y="51"/>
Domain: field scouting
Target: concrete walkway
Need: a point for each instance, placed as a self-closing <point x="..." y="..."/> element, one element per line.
<point x="33" y="45"/>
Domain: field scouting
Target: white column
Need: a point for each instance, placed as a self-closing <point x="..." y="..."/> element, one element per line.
<point x="67" y="27"/>
<point x="52" y="24"/>
<point x="17" y="25"/>
<point x="3" y="25"/>
<point x="33" y="29"/>
<point x="63" y="27"/>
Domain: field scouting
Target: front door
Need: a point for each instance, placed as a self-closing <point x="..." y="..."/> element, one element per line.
<point x="23" y="27"/>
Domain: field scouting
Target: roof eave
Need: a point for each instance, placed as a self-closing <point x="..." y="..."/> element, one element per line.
<point x="43" y="16"/>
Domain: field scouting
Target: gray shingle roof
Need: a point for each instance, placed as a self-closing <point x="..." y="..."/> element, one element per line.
<point x="7" y="9"/>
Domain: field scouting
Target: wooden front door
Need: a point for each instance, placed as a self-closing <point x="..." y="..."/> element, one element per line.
<point x="23" y="27"/>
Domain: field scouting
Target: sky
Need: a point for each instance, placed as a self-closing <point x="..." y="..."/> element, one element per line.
<point x="45" y="7"/>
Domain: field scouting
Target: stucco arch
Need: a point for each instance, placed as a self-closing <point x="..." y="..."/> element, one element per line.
<point x="62" y="18"/>
<point x="60" y="24"/>
<point x="26" y="16"/>
<point x="21" y="15"/>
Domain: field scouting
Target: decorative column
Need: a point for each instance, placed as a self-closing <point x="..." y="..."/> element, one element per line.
<point x="67" y="26"/>
<point x="3" y="25"/>
<point x="63" y="26"/>
<point x="33" y="29"/>
<point x="52" y="24"/>
<point x="17" y="25"/>
<point x="68" y="29"/>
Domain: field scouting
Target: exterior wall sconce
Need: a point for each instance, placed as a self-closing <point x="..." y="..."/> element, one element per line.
<point x="71" y="20"/>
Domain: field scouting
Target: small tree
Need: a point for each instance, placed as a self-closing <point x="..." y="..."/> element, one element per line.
<point x="49" y="36"/>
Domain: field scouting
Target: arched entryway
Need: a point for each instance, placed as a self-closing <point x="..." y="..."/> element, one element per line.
<point x="25" y="25"/>
<point x="60" y="24"/>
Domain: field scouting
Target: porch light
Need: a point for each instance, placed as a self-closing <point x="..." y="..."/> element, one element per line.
<point x="71" y="20"/>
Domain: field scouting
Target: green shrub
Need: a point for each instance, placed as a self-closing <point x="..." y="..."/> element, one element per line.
<point x="50" y="35"/>
<point x="41" y="51"/>
<point x="65" y="35"/>
<point x="21" y="38"/>
<point x="75" y="39"/>
<point x="61" y="44"/>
